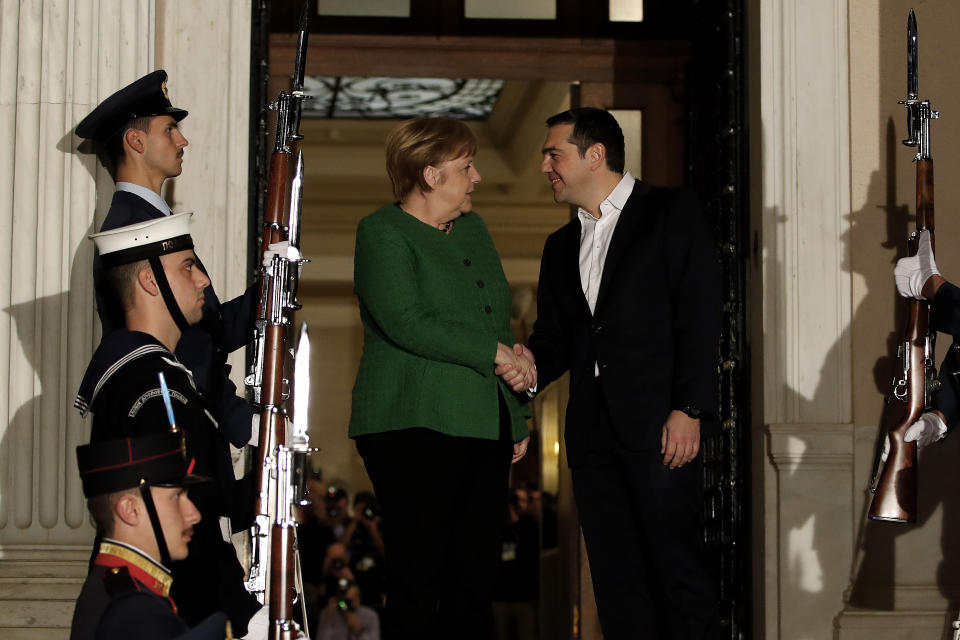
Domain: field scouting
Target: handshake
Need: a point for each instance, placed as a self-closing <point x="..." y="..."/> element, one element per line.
<point x="515" y="366"/>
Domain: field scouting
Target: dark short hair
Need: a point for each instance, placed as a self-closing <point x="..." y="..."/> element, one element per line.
<point x="102" y="509"/>
<point x="419" y="143"/>
<point x="111" y="152"/>
<point x="120" y="282"/>
<point x="592" y="125"/>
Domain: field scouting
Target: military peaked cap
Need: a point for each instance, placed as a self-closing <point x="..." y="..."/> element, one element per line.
<point x="143" y="240"/>
<point x="115" y="465"/>
<point x="145" y="97"/>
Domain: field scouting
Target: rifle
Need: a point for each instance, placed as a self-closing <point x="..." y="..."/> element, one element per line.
<point x="895" y="483"/>
<point x="278" y="300"/>
<point x="289" y="108"/>
<point x="289" y="464"/>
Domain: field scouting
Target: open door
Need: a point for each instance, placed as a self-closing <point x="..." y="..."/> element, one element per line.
<point x="649" y="73"/>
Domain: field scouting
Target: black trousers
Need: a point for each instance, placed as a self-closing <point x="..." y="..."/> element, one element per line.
<point x="643" y="528"/>
<point x="443" y="500"/>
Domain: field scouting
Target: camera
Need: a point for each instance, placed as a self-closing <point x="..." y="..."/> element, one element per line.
<point x="339" y="590"/>
<point x="369" y="512"/>
<point x="337" y="564"/>
<point x="334" y="495"/>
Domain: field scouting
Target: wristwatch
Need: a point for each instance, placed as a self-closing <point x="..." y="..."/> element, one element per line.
<point x="692" y="411"/>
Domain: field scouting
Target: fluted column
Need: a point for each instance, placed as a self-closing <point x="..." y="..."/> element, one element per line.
<point x="58" y="59"/>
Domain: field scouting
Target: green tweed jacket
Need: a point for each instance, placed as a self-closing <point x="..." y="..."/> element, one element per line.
<point x="433" y="308"/>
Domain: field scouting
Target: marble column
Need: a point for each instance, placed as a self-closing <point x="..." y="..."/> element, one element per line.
<point x="59" y="58"/>
<point x="806" y="435"/>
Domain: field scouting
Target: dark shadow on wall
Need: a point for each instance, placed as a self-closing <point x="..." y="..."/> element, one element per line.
<point x="48" y="332"/>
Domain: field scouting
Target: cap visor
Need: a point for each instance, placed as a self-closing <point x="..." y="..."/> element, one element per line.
<point x="186" y="481"/>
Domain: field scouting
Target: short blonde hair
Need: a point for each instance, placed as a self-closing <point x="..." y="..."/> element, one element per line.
<point x="419" y="143"/>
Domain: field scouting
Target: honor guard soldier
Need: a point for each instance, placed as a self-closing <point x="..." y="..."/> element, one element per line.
<point x="137" y="137"/>
<point x="136" y="491"/>
<point x="917" y="277"/>
<point x="151" y="273"/>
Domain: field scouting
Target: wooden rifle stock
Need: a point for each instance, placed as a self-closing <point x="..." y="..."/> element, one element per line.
<point x="895" y="485"/>
<point x="282" y="585"/>
<point x="272" y="426"/>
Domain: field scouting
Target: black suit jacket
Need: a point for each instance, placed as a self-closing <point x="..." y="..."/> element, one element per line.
<point x="655" y="327"/>
<point x="203" y="348"/>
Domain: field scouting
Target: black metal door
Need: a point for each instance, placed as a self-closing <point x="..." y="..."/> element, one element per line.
<point x="719" y="173"/>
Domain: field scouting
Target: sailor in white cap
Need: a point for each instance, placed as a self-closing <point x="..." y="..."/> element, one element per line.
<point x="151" y="272"/>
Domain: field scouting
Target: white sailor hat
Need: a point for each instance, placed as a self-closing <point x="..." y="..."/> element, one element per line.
<point x="144" y="240"/>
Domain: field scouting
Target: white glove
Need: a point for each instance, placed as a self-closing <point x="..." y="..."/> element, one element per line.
<point x="283" y="249"/>
<point x="912" y="273"/>
<point x="927" y="429"/>
<point x="254" y="430"/>
<point x="259" y="624"/>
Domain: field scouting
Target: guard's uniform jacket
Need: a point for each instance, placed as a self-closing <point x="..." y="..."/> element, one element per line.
<point x="126" y="594"/>
<point x="203" y="348"/>
<point x="945" y="317"/>
<point x="122" y="390"/>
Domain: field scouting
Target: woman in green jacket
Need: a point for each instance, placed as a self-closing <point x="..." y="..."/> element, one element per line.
<point x="436" y="428"/>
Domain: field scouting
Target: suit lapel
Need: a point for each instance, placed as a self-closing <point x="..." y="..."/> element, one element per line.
<point x="571" y="264"/>
<point x="630" y="219"/>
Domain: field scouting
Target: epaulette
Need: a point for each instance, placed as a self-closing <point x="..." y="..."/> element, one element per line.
<point x="118" y="582"/>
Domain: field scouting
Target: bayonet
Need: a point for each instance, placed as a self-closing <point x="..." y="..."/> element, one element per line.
<point x="299" y="70"/>
<point x="912" y="78"/>
<point x="296" y="204"/>
<point x="919" y="113"/>
<point x="300" y="63"/>
<point x="301" y="389"/>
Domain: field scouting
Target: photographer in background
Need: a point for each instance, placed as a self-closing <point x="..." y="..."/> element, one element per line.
<point x="516" y="593"/>
<point x="364" y="543"/>
<point x="363" y="531"/>
<point x="314" y="537"/>
<point x="344" y="618"/>
<point x="338" y="512"/>
<point x="336" y="566"/>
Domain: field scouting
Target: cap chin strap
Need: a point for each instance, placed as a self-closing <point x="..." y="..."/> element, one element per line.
<point x="172" y="306"/>
<point x="155" y="521"/>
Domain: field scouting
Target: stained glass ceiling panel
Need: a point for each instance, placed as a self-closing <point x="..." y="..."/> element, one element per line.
<point x="400" y="98"/>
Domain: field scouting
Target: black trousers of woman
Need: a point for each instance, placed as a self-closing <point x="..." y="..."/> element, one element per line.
<point x="443" y="500"/>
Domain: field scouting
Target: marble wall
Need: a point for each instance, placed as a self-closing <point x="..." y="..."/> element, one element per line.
<point x="58" y="59"/>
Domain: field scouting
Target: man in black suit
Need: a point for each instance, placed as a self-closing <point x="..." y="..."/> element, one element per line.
<point x="629" y="303"/>
<point x="138" y="139"/>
